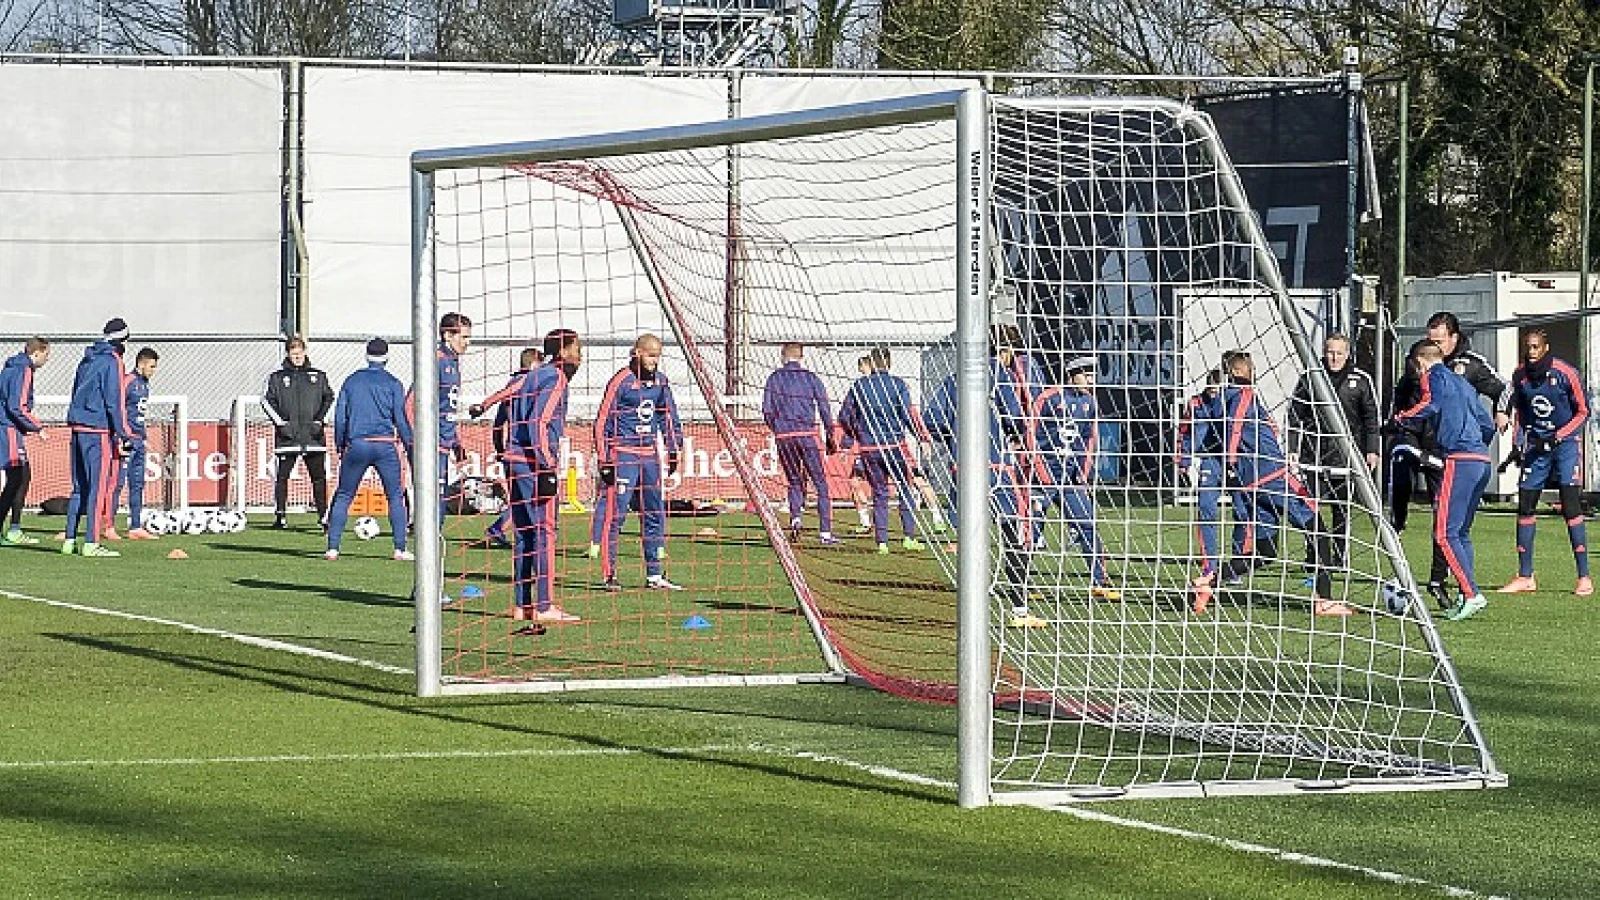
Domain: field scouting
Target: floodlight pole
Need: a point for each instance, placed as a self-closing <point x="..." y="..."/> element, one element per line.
<point x="973" y="575"/>
<point x="1352" y="88"/>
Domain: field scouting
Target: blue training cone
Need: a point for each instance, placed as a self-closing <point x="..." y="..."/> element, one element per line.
<point x="471" y="591"/>
<point x="696" y="623"/>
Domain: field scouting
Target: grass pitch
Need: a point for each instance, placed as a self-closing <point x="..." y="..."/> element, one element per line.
<point x="139" y="759"/>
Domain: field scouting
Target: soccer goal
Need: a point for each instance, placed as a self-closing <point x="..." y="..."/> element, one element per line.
<point x="1040" y="287"/>
<point x="166" y="448"/>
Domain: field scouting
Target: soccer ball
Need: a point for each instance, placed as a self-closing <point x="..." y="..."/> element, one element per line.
<point x="237" y="522"/>
<point x="217" y="522"/>
<point x="1396" y="598"/>
<point x="154" y="521"/>
<point x="367" y="528"/>
<point x="173" y="520"/>
<point x="195" y="521"/>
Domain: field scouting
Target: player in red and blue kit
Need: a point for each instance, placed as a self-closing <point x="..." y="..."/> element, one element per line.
<point x="371" y="430"/>
<point x="100" y="433"/>
<point x="455" y="336"/>
<point x="500" y="400"/>
<point x="1252" y="451"/>
<point x="792" y="403"/>
<point x="133" y="467"/>
<point x="16" y="422"/>
<point x="1200" y="434"/>
<point x="1462" y="430"/>
<point x="1009" y="502"/>
<point x="537" y="423"/>
<point x="1547" y="399"/>
<point x="637" y="419"/>
<point x="1064" y="424"/>
<point x="877" y="415"/>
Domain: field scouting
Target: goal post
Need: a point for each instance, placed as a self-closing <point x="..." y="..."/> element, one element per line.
<point x="1020" y="311"/>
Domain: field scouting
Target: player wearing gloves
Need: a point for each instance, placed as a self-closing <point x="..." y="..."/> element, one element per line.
<point x="637" y="413"/>
<point x="537" y="423"/>
<point x="371" y="430"/>
<point x="16" y="421"/>
<point x="100" y="434"/>
<point x="792" y="403"/>
<point x="1450" y="407"/>
<point x="1546" y="400"/>
<point x="495" y="534"/>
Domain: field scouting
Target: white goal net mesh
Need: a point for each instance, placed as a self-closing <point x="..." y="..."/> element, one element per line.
<point x="1175" y="604"/>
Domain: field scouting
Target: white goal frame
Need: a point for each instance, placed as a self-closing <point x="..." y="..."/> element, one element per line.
<point x="970" y="110"/>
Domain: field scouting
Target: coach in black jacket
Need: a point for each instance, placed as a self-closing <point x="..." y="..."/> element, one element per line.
<point x="297" y="400"/>
<point x="1318" y="439"/>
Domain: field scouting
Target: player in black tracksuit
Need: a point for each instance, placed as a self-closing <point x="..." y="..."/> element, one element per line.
<point x="297" y="400"/>
<point x="1415" y="450"/>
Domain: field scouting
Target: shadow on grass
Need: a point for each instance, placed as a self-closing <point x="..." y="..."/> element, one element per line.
<point x="343" y="595"/>
<point x="373" y="695"/>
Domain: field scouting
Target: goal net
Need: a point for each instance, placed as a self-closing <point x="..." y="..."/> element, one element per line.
<point x="1142" y="637"/>
<point x="166" y="459"/>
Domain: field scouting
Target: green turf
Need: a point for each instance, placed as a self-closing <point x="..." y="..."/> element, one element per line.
<point x="282" y="775"/>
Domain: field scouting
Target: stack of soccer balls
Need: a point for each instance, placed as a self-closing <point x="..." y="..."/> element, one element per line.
<point x="194" y="521"/>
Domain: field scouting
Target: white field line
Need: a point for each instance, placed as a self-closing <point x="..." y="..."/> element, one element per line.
<point x="250" y="639"/>
<point x="1089" y="815"/>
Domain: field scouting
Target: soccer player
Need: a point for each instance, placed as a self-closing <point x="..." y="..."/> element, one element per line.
<point x="132" y="468"/>
<point x="1252" y="451"/>
<point x="1008" y="493"/>
<point x="100" y="432"/>
<point x="538" y="421"/>
<point x="495" y="534"/>
<point x="1449" y="405"/>
<point x="16" y="421"/>
<point x="298" y="399"/>
<point x="860" y="490"/>
<point x="877" y="415"/>
<point x="792" y="403"/>
<point x="1315" y="435"/>
<point x="1547" y="401"/>
<point x="371" y="430"/>
<point x="455" y="336"/>
<point x="1416" y="450"/>
<point x="1064" y="423"/>
<point x="637" y="419"/>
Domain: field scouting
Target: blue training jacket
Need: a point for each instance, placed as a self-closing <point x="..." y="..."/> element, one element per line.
<point x="98" y="401"/>
<point x="877" y="413"/>
<point x="633" y="412"/>
<point x="371" y="406"/>
<point x="538" y="418"/>
<point x="138" y="400"/>
<point x="1449" y="403"/>
<point x="793" y="400"/>
<point x="1005" y="413"/>
<point x="16" y="395"/>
